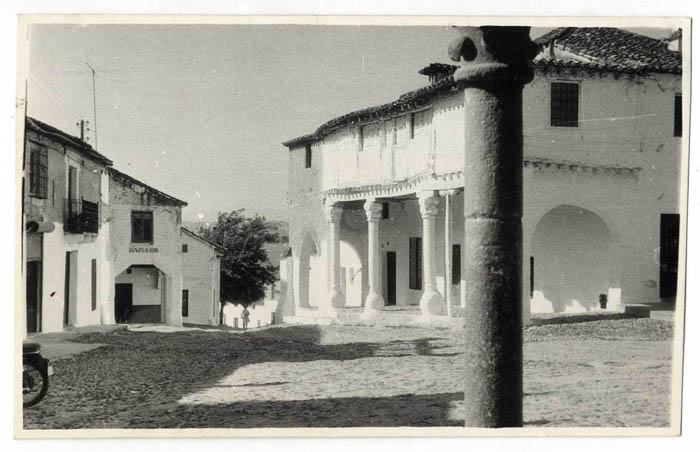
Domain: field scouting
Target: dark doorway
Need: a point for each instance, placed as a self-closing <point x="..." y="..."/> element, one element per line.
<point x="123" y="302"/>
<point x="668" y="255"/>
<point x="391" y="278"/>
<point x="33" y="296"/>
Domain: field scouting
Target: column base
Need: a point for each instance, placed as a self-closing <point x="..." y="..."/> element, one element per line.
<point x="336" y="301"/>
<point x="374" y="304"/>
<point x="432" y="304"/>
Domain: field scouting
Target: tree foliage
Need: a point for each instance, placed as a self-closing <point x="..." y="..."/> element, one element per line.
<point x="245" y="268"/>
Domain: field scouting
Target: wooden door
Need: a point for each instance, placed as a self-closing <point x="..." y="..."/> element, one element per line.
<point x="33" y="296"/>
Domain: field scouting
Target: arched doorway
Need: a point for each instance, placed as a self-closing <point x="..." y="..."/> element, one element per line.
<point x="140" y="295"/>
<point x="311" y="281"/>
<point x="572" y="261"/>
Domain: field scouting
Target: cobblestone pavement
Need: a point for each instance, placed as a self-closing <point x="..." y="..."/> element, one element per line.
<point x="612" y="372"/>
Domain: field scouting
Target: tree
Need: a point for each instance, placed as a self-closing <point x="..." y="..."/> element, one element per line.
<point x="245" y="268"/>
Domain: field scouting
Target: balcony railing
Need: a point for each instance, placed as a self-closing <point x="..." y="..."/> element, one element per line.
<point x="81" y="216"/>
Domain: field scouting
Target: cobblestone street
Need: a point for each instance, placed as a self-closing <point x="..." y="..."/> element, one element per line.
<point x="585" y="372"/>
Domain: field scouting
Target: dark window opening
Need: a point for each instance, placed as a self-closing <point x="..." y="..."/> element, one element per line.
<point x="564" y="105"/>
<point x="184" y="247"/>
<point x="385" y="210"/>
<point x="456" y="264"/>
<point x="678" y="116"/>
<point x="415" y="263"/>
<point x="142" y="227"/>
<point x="185" y="302"/>
<point x="308" y="156"/>
<point x="38" y="172"/>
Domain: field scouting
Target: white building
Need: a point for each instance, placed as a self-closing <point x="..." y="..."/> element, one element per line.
<point x="101" y="247"/>
<point x="602" y="126"/>
<point x="65" y="242"/>
<point x="201" y="303"/>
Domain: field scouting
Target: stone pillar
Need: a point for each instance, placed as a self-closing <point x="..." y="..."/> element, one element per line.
<point x="494" y="69"/>
<point x="374" y="301"/>
<point x="448" y="251"/>
<point x="335" y="298"/>
<point x="431" y="303"/>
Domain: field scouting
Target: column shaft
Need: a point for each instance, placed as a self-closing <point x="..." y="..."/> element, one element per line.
<point x="335" y="297"/>
<point x="431" y="302"/>
<point x="374" y="301"/>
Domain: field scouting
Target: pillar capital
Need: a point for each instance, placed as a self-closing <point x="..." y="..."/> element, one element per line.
<point x="334" y="212"/>
<point x="493" y="53"/>
<point x="373" y="210"/>
<point x="428" y="203"/>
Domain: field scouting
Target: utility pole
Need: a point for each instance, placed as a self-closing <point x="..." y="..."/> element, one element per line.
<point x="94" y="103"/>
<point x="494" y="67"/>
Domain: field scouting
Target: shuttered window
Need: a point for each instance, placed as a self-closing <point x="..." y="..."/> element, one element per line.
<point x="415" y="263"/>
<point x="564" y="104"/>
<point x="142" y="227"/>
<point x="38" y="172"/>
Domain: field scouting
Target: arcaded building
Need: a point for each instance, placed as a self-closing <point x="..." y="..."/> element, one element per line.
<point x="376" y="196"/>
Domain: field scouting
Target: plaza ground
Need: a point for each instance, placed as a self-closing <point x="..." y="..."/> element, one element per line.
<point x="579" y="371"/>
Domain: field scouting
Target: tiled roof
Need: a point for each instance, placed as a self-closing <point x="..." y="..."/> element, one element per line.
<point x="192" y="234"/>
<point x="615" y="49"/>
<point x="127" y="180"/>
<point x="66" y="139"/>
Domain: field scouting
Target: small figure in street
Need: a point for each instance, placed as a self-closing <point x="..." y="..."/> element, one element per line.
<point x="245" y="315"/>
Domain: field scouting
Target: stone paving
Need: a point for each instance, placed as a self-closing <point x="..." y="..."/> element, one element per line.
<point x="609" y="372"/>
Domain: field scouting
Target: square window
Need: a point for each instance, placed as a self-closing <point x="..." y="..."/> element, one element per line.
<point x="184" y="247"/>
<point x="142" y="227"/>
<point x="564" y="104"/>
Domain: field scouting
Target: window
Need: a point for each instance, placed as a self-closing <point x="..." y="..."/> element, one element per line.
<point x="415" y="263"/>
<point x="185" y="302"/>
<point x="564" y="104"/>
<point x="678" y="116"/>
<point x="456" y="264"/>
<point x="308" y="155"/>
<point x="142" y="227"/>
<point x="184" y="247"/>
<point x="38" y="172"/>
<point x="385" y="210"/>
<point x="94" y="284"/>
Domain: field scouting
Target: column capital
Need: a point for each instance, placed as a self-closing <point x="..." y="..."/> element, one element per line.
<point x="493" y="53"/>
<point x="334" y="212"/>
<point x="373" y="210"/>
<point x="428" y="203"/>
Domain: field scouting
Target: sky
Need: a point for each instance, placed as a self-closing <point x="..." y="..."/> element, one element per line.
<point x="200" y="111"/>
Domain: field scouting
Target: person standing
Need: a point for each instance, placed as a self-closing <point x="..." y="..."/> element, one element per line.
<point x="245" y="316"/>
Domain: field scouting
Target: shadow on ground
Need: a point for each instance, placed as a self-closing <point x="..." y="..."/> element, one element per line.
<point x="136" y="379"/>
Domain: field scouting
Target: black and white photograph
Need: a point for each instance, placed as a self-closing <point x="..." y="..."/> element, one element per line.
<point x="336" y="226"/>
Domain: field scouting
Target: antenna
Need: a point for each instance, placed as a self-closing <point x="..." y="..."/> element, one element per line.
<point x="94" y="103"/>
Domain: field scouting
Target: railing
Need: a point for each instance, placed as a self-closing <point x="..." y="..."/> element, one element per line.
<point x="80" y="216"/>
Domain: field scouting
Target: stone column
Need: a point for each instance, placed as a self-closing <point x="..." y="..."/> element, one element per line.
<point x="335" y="297"/>
<point x="494" y="69"/>
<point x="448" y="251"/>
<point x="431" y="303"/>
<point x="374" y="301"/>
